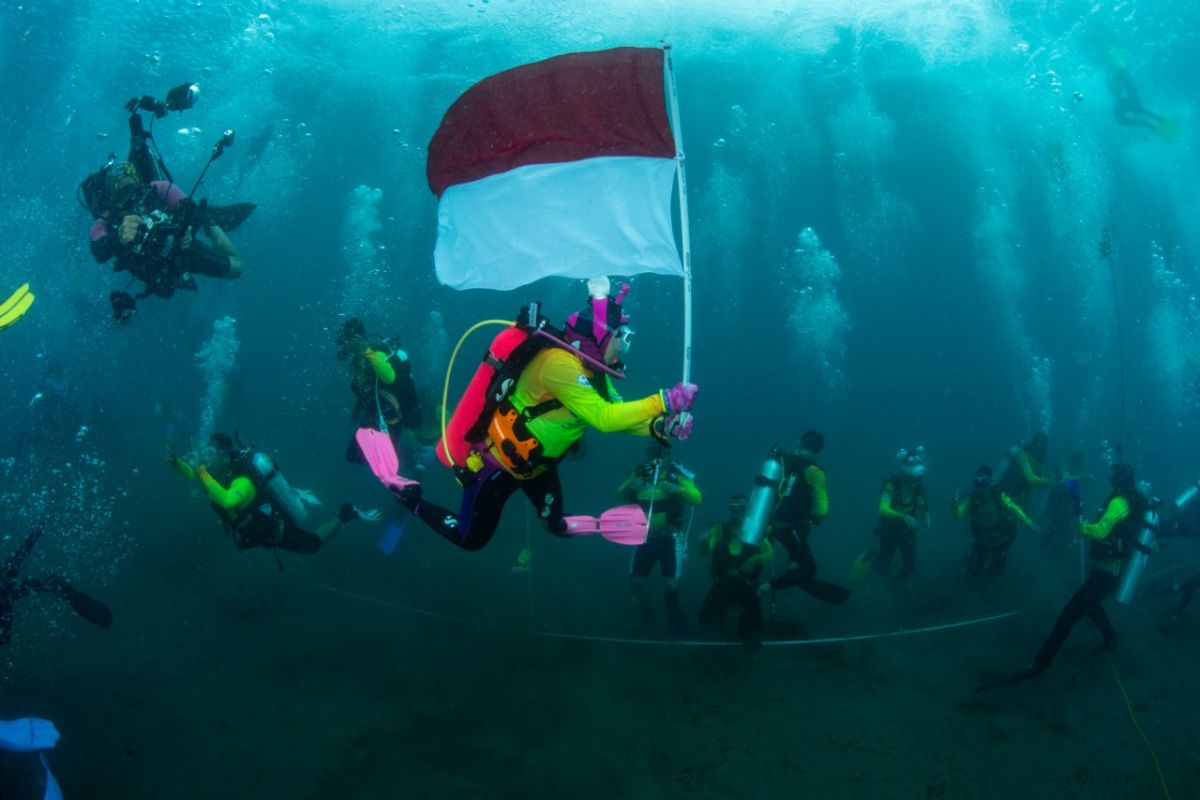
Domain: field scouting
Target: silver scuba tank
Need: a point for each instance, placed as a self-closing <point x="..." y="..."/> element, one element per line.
<point x="1131" y="575"/>
<point x="1135" y="567"/>
<point x="279" y="491"/>
<point x="761" y="505"/>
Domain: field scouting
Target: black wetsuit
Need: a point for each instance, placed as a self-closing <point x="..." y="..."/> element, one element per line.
<point x="12" y="589"/>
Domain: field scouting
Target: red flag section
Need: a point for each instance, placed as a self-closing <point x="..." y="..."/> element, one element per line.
<point x="566" y="108"/>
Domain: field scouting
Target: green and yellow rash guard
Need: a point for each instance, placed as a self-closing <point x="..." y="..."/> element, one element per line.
<point x="728" y="552"/>
<point x="559" y="375"/>
<point x="902" y="499"/>
<point x="964" y="506"/>
<point x="668" y="498"/>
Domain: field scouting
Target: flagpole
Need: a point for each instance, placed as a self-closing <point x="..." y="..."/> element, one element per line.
<point x="684" y="230"/>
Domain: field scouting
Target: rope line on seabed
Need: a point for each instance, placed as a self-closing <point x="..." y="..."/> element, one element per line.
<point x="673" y="643"/>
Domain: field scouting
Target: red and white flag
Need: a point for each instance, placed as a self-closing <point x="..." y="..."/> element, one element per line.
<point x="562" y="167"/>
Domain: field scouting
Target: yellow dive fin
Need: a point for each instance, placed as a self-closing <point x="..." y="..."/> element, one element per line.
<point x="1167" y="130"/>
<point x="15" y="306"/>
<point x="862" y="564"/>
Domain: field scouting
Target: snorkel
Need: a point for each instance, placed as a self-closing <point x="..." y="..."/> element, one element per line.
<point x="607" y="320"/>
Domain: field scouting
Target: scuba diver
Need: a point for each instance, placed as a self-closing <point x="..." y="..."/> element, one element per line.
<point x="1026" y="470"/>
<point x="1127" y="100"/>
<point x="13" y="588"/>
<point x="902" y="511"/>
<point x="550" y="388"/>
<point x="1113" y="538"/>
<point x="385" y="397"/>
<point x="663" y="489"/>
<point x="256" y="504"/>
<point x="736" y="569"/>
<point x="803" y="503"/>
<point x="24" y="773"/>
<point x="143" y="220"/>
<point x="994" y="518"/>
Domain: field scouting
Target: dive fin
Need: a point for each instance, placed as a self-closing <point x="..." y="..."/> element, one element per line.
<point x="87" y="606"/>
<point x="827" y="592"/>
<point x="15" y="306"/>
<point x="625" y="525"/>
<point x="862" y="564"/>
<point x="27" y="735"/>
<point x="380" y="453"/>
<point x="1024" y="675"/>
<point x="1167" y="130"/>
<point x="228" y="218"/>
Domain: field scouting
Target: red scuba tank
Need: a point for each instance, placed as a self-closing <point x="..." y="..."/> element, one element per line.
<point x="453" y="448"/>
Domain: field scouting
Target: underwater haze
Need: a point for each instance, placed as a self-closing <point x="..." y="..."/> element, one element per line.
<point x="913" y="223"/>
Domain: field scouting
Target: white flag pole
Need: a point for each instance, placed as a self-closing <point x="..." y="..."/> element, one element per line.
<point x="684" y="230"/>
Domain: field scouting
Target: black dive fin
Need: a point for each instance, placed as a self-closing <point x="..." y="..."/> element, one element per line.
<point x="1024" y="675"/>
<point x="85" y="605"/>
<point x="228" y="218"/>
<point x="828" y="592"/>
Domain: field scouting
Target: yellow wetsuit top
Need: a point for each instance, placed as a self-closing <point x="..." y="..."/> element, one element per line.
<point x="557" y="374"/>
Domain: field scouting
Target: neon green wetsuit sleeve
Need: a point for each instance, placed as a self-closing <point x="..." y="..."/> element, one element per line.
<point x="561" y="372"/>
<point x="1117" y="510"/>
<point x="379" y="362"/>
<point x="688" y="491"/>
<point x="885" y="503"/>
<point x="240" y="492"/>
<point x="815" y="477"/>
<point x="1017" y="511"/>
<point x="1025" y="461"/>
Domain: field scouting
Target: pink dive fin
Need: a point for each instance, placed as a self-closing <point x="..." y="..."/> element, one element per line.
<point x="380" y="453"/>
<point x="625" y="525"/>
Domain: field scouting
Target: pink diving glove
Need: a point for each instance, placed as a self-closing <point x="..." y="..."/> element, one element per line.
<point x="678" y="425"/>
<point x="681" y="396"/>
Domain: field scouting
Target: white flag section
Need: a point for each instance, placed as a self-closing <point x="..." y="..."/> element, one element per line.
<point x="574" y="219"/>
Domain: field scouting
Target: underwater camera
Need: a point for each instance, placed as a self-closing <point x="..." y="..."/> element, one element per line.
<point x="179" y="98"/>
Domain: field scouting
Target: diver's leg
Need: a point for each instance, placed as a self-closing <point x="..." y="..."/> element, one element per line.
<point x="1071" y="613"/>
<point x="645" y="556"/>
<point x="479" y="513"/>
<point x="545" y="492"/>
<point x="908" y="553"/>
